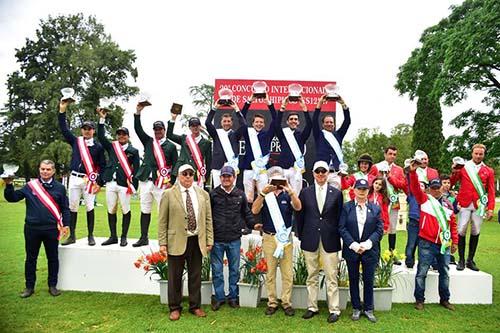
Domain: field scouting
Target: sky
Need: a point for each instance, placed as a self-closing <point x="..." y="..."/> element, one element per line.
<point x="358" y="44"/>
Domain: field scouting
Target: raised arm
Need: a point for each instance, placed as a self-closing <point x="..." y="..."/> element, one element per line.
<point x="242" y="125"/>
<point x="10" y="194"/>
<point x="209" y="124"/>
<point x="101" y="131"/>
<point x="415" y="189"/>
<point x="63" y="125"/>
<point x="307" y="129"/>
<point x="138" y="126"/>
<point x="170" y="131"/>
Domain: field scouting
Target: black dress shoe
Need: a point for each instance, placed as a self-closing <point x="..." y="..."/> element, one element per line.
<point x="333" y="317"/>
<point x="233" y="303"/>
<point x="91" y="240"/>
<point x="216" y="305"/>
<point x="471" y="265"/>
<point x="109" y="241"/>
<point x="461" y="265"/>
<point x="309" y="314"/>
<point x="289" y="311"/>
<point x="123" y="241"/>
<point x="68" y="241"/>
<point x="271" y="310"/>
<point x="27" y="293"/>
<point x="141" y="242"/>
<point x="54" y="291"/>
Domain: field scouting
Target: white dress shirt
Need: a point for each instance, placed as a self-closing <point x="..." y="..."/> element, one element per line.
<point x="361" y="214"/>
<point x="194" y="200"/>
<point x="320" y="195"/>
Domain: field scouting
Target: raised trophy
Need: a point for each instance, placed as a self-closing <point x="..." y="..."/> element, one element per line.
<point x="259" y="89"/>
<point x="176" y="108"/>
<point x="225" y="97"/>
<point x="331" y="90"/>
<point x="144" y="99"/>
<point x="418" y="157"/>
<point x="105" y="104"/>
<point x="383" y="166"/>
<point x="458" y="162"/>
<point x="343" y="169"/>
<point x="294" y="92"/>
<point x="68" y="94"/>
<point x="407" y="163"/>
<point x="9" y="170"/>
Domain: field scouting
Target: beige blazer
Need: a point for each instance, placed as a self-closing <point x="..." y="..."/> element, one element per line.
<point x="173" y="219"/>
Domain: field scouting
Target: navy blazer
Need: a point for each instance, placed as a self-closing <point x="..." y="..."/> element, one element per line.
<point x="373" y="230"/>
<point x="311" y="223"/>
<point x="286" y="159"/>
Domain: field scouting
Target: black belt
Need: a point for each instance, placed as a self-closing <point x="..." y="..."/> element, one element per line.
<point x="78" y="174"/>
<point x="269" y="233"/>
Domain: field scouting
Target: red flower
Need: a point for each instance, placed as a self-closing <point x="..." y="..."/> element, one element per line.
<point x="252" y="270"/>
<point x="250" y="255"/>
<point x="146" y="268"/>
<point x="137" y="264"/>
<point x="225" y="262"/>
<point x="241" y="250"/>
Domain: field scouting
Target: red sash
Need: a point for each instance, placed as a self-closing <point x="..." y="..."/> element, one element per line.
<point x="49" y="203"/>
<point x="198" y="159"/>
<point x="87" y="163"/>
<point x="164" y="170"/>
<point x="122" y="158"/>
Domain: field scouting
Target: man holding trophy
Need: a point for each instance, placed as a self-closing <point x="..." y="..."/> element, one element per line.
<point x="119" y="176"/>
<point x="155" y="173"/>
<point x="87" y="161"/>
<point x="47" y="220"/>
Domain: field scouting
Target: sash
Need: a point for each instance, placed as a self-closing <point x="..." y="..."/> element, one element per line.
<point x="393" y="196"/>
<point x="282" y="236"/>
<point x="88" y="163"/>
<point x="422" y="175"/>
<point x="360" y="175"/>
<point x="122" y="158"/>
<point x="198" y="159"/>
<point x="332" y="141"/>
<point x="259" y="163"/>
<point x="48" y="201"/>
<point x="441" y="216"/>
<point x="478" y="186"/>
<point x="231" y="157"/>
<point x="164" y="170"/>
<point x="299" y="163"/>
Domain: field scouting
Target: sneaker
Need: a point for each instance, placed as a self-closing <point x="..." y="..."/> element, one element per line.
<point x="447" y="305"/>
<point x="270" y="310"/>
<point x="356" y="314"/>
<point x="419" y="305"/>
<point x="371" y="317"/>
<point x="333" y="317"/>
<point x="289" y="311"/>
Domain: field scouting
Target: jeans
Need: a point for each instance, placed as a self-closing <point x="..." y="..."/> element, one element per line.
<point x="232" y="250"/>
<point x="428" y="253"/>
<point x="412" y="229"/>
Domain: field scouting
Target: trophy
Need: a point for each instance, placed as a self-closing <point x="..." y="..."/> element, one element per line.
<point x="105" y="104"/>
<point x="225" y="97"/>
<point x="294" y="92"/>
<point x="407" y="163"/>
<point x="259" y="89"/>
<point x="459" y="162"/>
<point x="331" y="90"/>
<point x="68" y="94"/>
<point x="343" y="169"/>
<point x="383" y="166"/>
<point x="176" y="108"/>
<point x="418" y="157"/>
<point x="144" y="99"/>
<point x="9" y="170"/>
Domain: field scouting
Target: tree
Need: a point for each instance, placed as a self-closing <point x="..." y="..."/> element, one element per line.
<point x="68" y="51"/>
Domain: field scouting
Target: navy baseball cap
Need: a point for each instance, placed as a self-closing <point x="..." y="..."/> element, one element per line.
<point x="123" y="129"/>
<point x="361" y="184"/>
<point x="227" y="170"/>
<point x="194" y="121"/>
<point x="158" y="124"/>
<point x="88" y="123"/>
<point x="435" y="183"/>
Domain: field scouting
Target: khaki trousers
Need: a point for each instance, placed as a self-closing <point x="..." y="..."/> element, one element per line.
<point x="330" y="263"/>
<point x="286" y="270"/>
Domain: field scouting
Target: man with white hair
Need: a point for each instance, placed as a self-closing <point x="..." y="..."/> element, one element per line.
<point x="277" y="201"/>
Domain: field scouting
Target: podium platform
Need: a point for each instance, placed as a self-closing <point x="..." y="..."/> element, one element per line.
<point x="111" y="269"/>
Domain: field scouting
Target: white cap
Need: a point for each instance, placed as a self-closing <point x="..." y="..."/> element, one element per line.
<point x="185" y="167"/>
<point x="320" y="164"/>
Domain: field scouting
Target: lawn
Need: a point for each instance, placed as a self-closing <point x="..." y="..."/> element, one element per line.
<point x="106" y="312"/>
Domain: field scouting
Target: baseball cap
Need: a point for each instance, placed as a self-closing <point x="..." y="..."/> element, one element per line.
<point x="227" y="170"/>
<point x="159" y="124"/>
<point x="194" y="121"/>
<point x="88" y="123"/>
<point x="361" y="184"/>
<point x="320" y="164"/>
<point x="185" y="167"/>
<point x="436" y="182"/>
<point x="123" y="129"/>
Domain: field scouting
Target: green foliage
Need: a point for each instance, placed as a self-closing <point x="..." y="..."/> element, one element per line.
<point x="69" y="51"/>
<point x="300" y="270"/>
<point x="206" y="268"/>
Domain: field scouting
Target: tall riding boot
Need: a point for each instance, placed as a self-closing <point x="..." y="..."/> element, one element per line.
<point x="461" y="253"/>
<point x="113" y="239"/>
<point x="90" y="227"/>
<point x="470" y="264"/>
<point x="392" y="246"/>
<point x="72" y="229"/>
<point x="125" y="225"/>
<point x="145" y="220"/>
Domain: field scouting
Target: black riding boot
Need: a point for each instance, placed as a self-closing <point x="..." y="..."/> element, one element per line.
<point x="90" y="227"/>
<point x="145" y="220"/>
<point x="113" y="238"/>
<point x="473" y="241"/>
<point x="72" y="229"/>
<point x="461" y="253"/>
<point x="125" y="226"/>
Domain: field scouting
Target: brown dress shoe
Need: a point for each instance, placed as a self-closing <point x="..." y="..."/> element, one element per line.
<point x="447" y="305"/>
<point x="233" y="303"/>
<point x="419" y="305"/>
<point x="174" y="315"/>
<point x="198" y="312"/>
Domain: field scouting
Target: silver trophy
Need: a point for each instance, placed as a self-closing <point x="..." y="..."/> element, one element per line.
<point x="294" y="92"/>
<point x="331" y="90"/>
<point x="68" y="94"/>
<point x="343" y="169"/>
<point x="225" y="97"/>
<point x="105" y="104"/>
<point x="458" y="162"/>
<point x="9" y="170"/>
<point x="259" y="89"/>
<point x="145" y="99"/>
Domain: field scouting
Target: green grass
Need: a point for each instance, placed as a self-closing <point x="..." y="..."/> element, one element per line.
<point x="106" y="312"/>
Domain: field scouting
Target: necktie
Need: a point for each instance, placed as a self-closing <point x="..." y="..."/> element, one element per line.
<point x="190" y="211"/>
<point x="319" y="198"/>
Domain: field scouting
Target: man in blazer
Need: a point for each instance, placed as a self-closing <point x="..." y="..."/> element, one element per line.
<point x="361" y="228"/>
<point x="317" y="229"/>
<point x="185" y="234"/>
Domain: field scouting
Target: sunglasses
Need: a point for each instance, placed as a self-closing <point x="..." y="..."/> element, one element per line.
<point x="187" y="173"/>
<point x="320" y="170"/>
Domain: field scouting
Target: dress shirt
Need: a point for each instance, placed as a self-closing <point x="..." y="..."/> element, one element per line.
<point x="320" y="195"/>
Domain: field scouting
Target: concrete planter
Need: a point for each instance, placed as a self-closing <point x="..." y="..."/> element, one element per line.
<point x="163" y="291"/>
<point x="382" y="298"/>
<point x="249" y="295"/>
<point x="206" y="292"/>
<point x="344" y="297"/>
<point x="299" y="296"/>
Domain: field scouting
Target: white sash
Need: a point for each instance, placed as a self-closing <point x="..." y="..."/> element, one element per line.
<point x="282" y="232"/>
<point x="478" y="186"/>
<point x="122" y="158"/>
<point x="88" y="163"/>
<point x="332" y="141"/>
<point x="259" y="163"/>
<point x="422" y="175"/>
<point x="163" y="172"/>
<point x="231" y="157"/>
<point x="198" y="159"/>
<point x="48" y="201"/>
<point x="299" y="164"/>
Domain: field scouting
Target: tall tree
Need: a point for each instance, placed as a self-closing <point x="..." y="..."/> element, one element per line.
<point x="67" y="51"/>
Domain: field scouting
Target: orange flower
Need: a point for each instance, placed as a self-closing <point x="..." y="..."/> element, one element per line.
<point x="250" y="255"/>
<point x="258" y="249"/>
<point x="252" y="270"/>
<point x="146" y="268"/>
<point x="225" y="262"/>
<point x="137" y="264"/>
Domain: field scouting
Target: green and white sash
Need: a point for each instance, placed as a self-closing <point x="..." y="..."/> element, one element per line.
<point x="299" y="164"/>
<point x="360" y="175"/>
<point x="478" y="186"/>
<point x="393" y="196"/>
<point x="282" y="232"/>
<point x="422" y="175"/>
<point x="440" y="213"/>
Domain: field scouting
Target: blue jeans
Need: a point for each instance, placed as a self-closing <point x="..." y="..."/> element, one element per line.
<point x="412" y="229"/>
<point x="232" y="250"/>
<point x="428" y="253"/>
